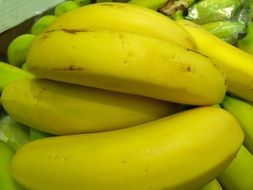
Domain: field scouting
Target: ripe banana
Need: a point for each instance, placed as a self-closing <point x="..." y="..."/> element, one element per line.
<point x="179" y="152"/>
<point x="9" y="73"/>
<point x="129" y="63"/>
<point x="243" y="112"/>
<point x="213" y="185"/>
<point x="238" y="175"/>
<point x="6" y="181"/>
<point x="61" y="109"/>
<point x="126" y="18"/>
<point x="238" y="64"/>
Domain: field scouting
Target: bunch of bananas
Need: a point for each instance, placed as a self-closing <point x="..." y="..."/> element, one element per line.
<point x="111" y="83"/>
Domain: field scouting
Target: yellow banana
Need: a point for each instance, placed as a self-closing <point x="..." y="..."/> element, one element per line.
<point x="9" y="73"/>
<point x="129" y="63"/>
<point x="127" y="18"/>
<point x="179" y="152"/>
<point x="60" y="108"/>
<point x="238" y="64"/>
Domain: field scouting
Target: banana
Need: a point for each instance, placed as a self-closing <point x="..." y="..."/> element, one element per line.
<point x="238" y="64"/>
<point x="61" y="109"/>
<point x="83" y="2"/>
<point x="183" y="151"/>
<point x="129" y="63"/>
<point x="42" y="24"/>
<point x="238" y="175"/>
<point x="9" y="73"/>
<point x="151" y="4"/>
<point x="243" y="112"/>
<point x="213" y="185"/>
<point x="6" y="181"/>
<point x="18" y="49"/>
<point x="64" y="7"/>
<point x="127" y="18"/>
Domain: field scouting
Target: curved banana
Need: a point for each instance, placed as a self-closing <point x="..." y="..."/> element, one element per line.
<point x="9" y="73"/>
<point x="18" y="49"/>
<point x="179" y="152"/>
<point x="238" y="175"/>
<point x="42" y="24"/>
<point x="61" y="109"/>
<point x="129" y="63"/>
<point x="126" y="18"/>
<point x="238" y="64"/>
<point x="243" y="112"/>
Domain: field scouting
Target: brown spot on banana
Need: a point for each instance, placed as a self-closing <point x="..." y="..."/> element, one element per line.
<point x="74" y="31"/>
<point x="70" y="68"/>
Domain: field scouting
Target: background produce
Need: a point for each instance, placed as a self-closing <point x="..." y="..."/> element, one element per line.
<point x="189" y="52"/>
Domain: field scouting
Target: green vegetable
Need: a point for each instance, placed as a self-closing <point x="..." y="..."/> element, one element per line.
<point x="245" y="14"/>
<point x="246" y="43"/>
<point x="207" y="11"/>
<point x="226" y="31"/>
<point x="13" y="133"/>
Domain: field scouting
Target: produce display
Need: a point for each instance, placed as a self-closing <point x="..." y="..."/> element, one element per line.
<point x="130" y="95"/>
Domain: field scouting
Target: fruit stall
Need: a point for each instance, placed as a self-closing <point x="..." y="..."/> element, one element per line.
<point x="126" y="95"/>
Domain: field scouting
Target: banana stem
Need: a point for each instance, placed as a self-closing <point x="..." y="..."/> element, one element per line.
<point x="9" y="73"/>
<point x="178" y="15"/>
